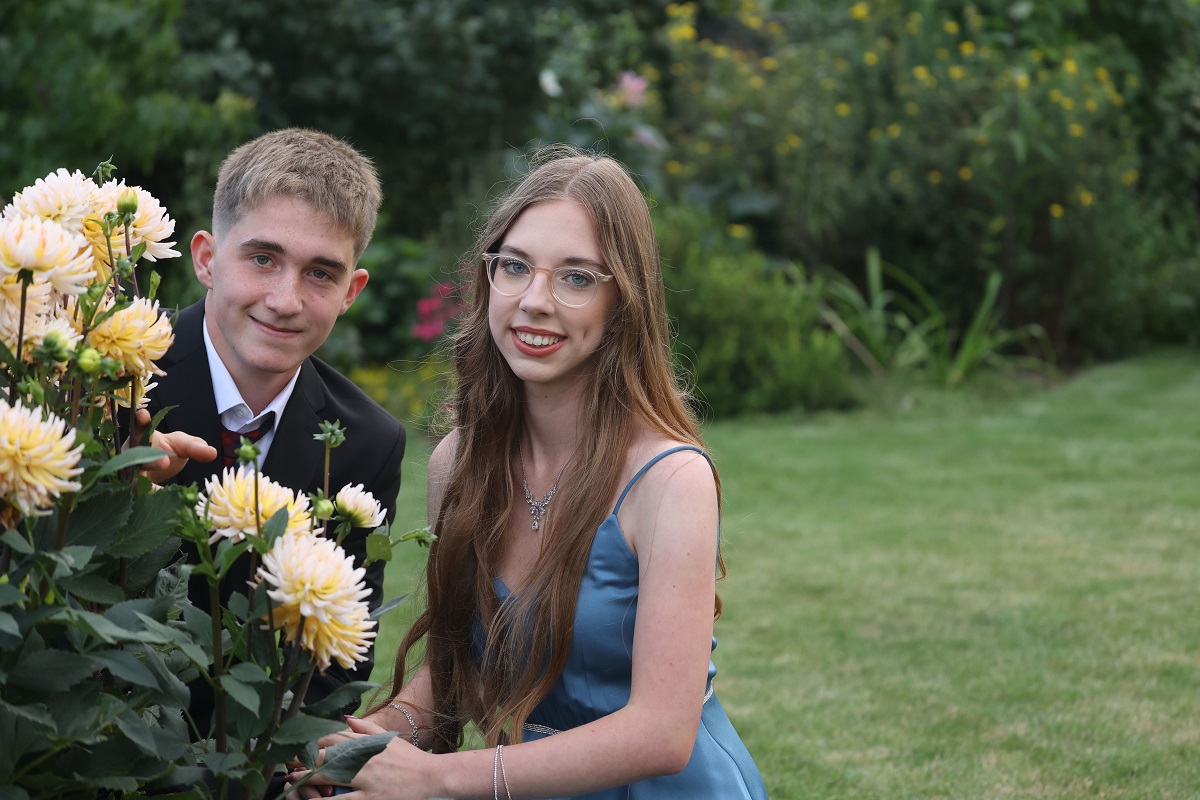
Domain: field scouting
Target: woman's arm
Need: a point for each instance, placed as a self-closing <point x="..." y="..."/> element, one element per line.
<point x="671" y="518"/>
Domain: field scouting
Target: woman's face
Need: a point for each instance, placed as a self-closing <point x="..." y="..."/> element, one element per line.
<point x="548" y="344"/>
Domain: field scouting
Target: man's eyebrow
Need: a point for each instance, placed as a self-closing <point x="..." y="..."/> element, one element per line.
<point x="275" y="247"/>
<point x="571" y="261"/>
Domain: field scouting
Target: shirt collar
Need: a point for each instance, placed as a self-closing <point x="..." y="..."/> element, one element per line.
<point x="234" y="411"/>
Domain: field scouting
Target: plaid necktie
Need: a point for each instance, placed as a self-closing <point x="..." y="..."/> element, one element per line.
<point x="231" y="440"/>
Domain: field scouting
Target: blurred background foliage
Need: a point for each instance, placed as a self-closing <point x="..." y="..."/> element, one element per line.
<point x="1025" y="177"/>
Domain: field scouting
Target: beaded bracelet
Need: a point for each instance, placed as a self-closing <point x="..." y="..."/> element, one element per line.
<point x="416" y="737"/>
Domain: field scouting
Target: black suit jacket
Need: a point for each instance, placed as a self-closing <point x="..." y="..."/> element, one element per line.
<point x="370" y="455"/>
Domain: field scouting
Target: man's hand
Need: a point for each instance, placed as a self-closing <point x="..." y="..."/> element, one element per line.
<point x="178" y="446"/>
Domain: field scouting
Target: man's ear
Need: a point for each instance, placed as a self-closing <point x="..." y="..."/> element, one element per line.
<point x="204" y="250"/>
<point x="358" y="279"/>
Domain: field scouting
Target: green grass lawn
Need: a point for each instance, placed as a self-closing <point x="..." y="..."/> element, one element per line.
<point x="988" y="594"/>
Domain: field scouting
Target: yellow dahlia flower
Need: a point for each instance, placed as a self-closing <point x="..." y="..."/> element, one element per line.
<point x="321" y="598"/>
<point x="137" y="336"/>
<point x="358" y="507"/>
<point x="38" y="459"/>
<point x="230" y="505"/>
<point x="51" y="252"/>
<point x="65" y="197"/>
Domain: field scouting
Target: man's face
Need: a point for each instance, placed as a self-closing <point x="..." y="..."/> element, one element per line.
<point x="277" y="281"/>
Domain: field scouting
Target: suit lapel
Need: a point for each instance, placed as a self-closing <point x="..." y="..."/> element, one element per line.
<point x="295" y="459"/>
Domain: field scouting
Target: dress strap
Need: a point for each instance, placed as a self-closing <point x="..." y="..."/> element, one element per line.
<point x="654" y="461"/>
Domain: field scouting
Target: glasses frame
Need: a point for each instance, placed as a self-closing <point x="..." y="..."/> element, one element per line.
<point x="489" y="259"/>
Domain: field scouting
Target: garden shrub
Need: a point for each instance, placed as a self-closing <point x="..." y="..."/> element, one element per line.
<point x="930" y="131"/>
<point x="748" y="329"/>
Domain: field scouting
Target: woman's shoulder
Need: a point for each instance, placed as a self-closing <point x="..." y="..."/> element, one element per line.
<point x="664" y="464"/>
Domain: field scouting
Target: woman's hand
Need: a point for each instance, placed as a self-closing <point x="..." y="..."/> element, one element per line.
<point x="396" y="773"/>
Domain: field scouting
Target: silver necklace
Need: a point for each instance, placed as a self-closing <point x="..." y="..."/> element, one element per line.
<point x="538" y="507"/>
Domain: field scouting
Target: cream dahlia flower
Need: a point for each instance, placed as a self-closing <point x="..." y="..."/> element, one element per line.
<point x="37" y="305"/>
<point x="38" y="459"/>
<point x="51" y="252"/>
<point x="229" y="503"/>
<point x="137" y="336"/>
<point x="150" y="225"/>
<point x="65" y="197"/>
<point x="358" y="507"/>
<point x="321" y="599"/>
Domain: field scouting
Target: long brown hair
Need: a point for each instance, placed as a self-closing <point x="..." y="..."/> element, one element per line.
<point x="525" y="642"/>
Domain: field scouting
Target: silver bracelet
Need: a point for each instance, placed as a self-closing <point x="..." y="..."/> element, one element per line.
<point x="498" y="774"/>
<point x="416" y="737"/>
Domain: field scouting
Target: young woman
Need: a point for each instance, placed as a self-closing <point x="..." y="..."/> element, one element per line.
<point x="571" y="589"/>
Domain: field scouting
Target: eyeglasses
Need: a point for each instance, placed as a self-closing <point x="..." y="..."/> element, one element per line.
<point x="571" y="286"/>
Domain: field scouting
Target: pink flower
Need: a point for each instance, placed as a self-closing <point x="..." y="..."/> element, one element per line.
<point x="435" y="312"/>
<point x="632" y="88"/>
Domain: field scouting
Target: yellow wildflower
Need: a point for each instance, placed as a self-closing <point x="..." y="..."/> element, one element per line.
<point x="674" y="167"/>
<point x="737" y="231"/>
<point x="756" y="82"/>
<point x="1129" y="177"/>
<point x="1070" y="66"/>
<point x="965" y="173"/>
<point x="1102" y="75"/>
<point x="681" y="33"/>
<point x="1075" y="129"/>
<point x="229" y="503"/>
<point x="912" y="108"/>
<point x="870" y="58"/>
<point x="894" y="130"/>
<point x="957" y="72"/>
<point x="1022" y="80"/>
<point x="1086" y="198"/>
<point x="38" y="459"/>
<point x="703" y="147"/>
<point x="1055" y="96"/>
<point x="793" y="140"/>
<point x="920" y="72"/>
<point x="1091" y="104"/>
<point x="913" y="24"/>
<point x="934" y="176"/>
<point x="768" y="63"/>
<point x="966" y="48"/>
<point x="720" y="51"/>
<point x="321" y="599"/>
<point x="752" y="21"/>
<point x="950" y="27"/>
<point x="1056" y="210"/>
<point x="860" y="11"/>
<point x="842" y="109"/>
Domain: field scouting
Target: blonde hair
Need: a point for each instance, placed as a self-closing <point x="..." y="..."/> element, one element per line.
<point x="633" y="384"/>
<point x="336" y="179"/>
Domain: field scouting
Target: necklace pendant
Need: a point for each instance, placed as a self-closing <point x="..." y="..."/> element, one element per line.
<point x="535" y="523"/>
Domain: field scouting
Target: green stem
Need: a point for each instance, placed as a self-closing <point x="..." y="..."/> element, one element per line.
<point x="218" y="664"/>
<point x="129" y="253"/>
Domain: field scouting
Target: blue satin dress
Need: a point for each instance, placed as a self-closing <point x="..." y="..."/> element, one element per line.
<point x="596" y="680"/>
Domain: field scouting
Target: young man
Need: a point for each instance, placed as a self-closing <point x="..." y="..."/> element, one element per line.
<point x="292" y="213"/>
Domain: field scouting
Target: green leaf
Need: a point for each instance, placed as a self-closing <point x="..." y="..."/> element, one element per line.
<point x="339" y="698"/>
<point x="379" y="547"/>
<point x="249" y="673"/>
<point x="17" y="542"/>
<point x="143" y="570"/>
<point x="173" y="636"/>
<point x="155" y="516"/>
<point x="98" y="626"/>
<point x="8" y="624"/>
<point x="386" y="607"/>
<point x="302" y="729"/>
<point x="240" y="693"/>
<point x="50" y="671"/>
<point x="224" y="763"/>
<point x="99" y="515"/>
<point x="171" y="689"/>
<point x="275" y="527"/>
<point x="37" y="713"/>
<point x="344" y="759"/>
<point x="126" y="666"/>
<point x="132" y="457"/>
<point x="93" y="589"/>
<point x="13" y="793"/>
<point x="128" y="613"/>
<point x="10" y="595"/>
<point x="150" y="739"/>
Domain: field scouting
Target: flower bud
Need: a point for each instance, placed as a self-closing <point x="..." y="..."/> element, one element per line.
<point x="89" y="360"/>
<point x="56" y="345"/>
<point x="247" y="452"/>
<point x="323" y="509"/>
<point x="127" y="201"/>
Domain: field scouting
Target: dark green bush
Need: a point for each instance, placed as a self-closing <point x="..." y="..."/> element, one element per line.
<point x="748" y="330"/>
